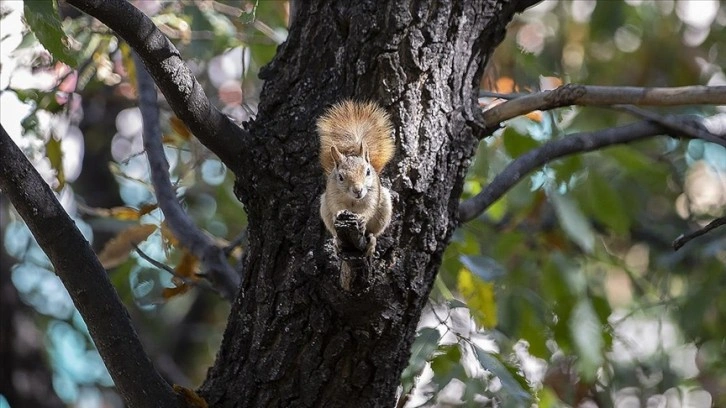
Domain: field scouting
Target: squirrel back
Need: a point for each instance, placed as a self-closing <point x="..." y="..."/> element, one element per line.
<point x="347" y="125"/>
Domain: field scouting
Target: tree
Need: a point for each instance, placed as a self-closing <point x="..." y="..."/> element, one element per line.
<point x="423" y="62"/>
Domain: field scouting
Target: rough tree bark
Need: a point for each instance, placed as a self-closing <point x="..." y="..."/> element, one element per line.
<point x="294" y="337"/>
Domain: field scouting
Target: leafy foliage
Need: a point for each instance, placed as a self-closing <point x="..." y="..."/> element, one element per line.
<point x="586" y="270"/>
<point x="42" y="17"/>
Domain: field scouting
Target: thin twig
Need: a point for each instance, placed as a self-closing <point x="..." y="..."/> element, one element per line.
<point x="679" y="128"/>
<point x="684" y="238"/>
<point x="589" y="95"/>
<point x="555" y="149"/>
<point x="154" y="262"/>
<point x="499" y="95"/>
<point x="213" y="259"/>
<point x="171" y="270"/>
<point x="238" y="241"/>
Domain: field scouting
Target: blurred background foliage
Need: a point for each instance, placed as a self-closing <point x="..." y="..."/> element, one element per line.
<point x="566" y="291"/>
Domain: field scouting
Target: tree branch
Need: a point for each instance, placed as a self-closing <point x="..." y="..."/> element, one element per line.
<point x="216" y="267"/>
<point x="524" y="4"/>
<point x="181" y="89"/>
<point x="684" y="238"/>
<point x="185" y="280"/>
<point x="589" y="95"/>
<point x="674" y="126"/>
<point x="572" y="144"/>
<point x="77" y="266"/>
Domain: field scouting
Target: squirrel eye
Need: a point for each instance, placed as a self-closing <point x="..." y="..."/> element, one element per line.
<point x="340" y="177"/>
<point x="368" y="171"/>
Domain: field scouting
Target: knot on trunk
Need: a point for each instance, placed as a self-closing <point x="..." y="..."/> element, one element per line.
<point x="352" y="243"/>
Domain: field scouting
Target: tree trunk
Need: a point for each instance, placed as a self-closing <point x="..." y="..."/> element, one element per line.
<point x="295" y="337"/>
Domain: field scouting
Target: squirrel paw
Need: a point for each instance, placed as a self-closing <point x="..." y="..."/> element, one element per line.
<point x="371" y="247"/>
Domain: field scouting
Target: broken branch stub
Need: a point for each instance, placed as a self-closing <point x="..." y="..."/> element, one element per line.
<point x="352" y="243"/>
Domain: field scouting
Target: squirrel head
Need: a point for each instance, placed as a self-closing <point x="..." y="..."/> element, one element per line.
<point x="353" y="174"/>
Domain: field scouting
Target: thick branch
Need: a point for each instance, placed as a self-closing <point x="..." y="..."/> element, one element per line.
<point x="572" y="144"/>
<point x="589" y="95"/>
<point x="181" y="89"/>
<point x="77" y="266"/>
<point x="219" y="271"/>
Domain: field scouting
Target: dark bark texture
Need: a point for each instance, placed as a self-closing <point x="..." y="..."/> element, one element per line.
<point x="295" y="337"/>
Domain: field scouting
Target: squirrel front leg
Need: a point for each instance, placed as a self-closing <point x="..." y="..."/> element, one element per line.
<point x="375" y="225"/>
<point x="379" y="221"/>
<point x="328" y="218"/>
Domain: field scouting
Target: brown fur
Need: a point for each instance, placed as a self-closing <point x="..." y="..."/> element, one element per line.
<point x="348" y="124"/>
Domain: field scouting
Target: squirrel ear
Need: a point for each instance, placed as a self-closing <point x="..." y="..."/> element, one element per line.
<point x="336" y="155"/>
<point x="364" y="151"/>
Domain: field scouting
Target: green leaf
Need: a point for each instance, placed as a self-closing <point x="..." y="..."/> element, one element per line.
<point x="55" y="155"/>
<point x="447" y="366"/>
<point x="603" y="311"/>
<point x="456" y="303"/>
<point x="548" y="399"/>
<point x="566" y="167"/>
<point x="516" y="144"/>
<point x="513" y="384"/>
<point x="522" y="313"/>
<point x="509" y="245"/>
<point x="586" y="333"/>
<point x="533" y="330"/>
<point x="479" y="296"/>
<point x="42" y="17"/>
<point x="423" y="348"/>
<point x="508" y="314"/>
<point x="30" y="122"/>
<point x="26" y="95"/>
<point x="43" y="100"/>
<point x="573" y="222"/>
<point x="561" y="293"/>
<point x="605" y="204"/>
<point x="480" y="167"/>
<point x="640" y="166"/>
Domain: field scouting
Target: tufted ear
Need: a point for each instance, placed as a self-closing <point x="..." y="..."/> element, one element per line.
<point x="363" y="151"/>
<point x="336" y="155"/>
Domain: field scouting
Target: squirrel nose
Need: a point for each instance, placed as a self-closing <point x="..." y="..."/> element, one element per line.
<point x="359" y="192"/>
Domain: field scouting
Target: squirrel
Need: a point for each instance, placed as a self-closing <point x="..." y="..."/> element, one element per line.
<point x="356" y="143"/>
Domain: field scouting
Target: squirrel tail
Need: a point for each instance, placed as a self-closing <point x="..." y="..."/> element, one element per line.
<point x="347" y="124"/>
